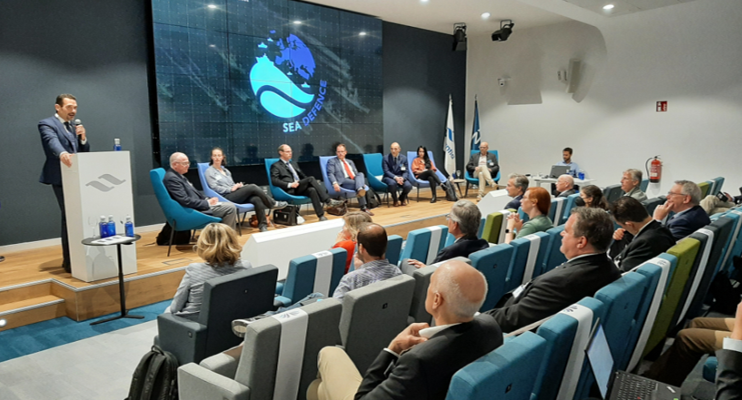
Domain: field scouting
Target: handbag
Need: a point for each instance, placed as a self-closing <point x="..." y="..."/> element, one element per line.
<point x="338" y="210"/>
<point x="285" y="216"/>
<point x="450" y="191"/>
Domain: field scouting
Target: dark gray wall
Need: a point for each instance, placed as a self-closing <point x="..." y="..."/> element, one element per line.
<point x="420" y="71"/>
<point x="98" y="51"/>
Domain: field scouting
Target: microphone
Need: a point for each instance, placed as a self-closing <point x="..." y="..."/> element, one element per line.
<point x="78" y="122"/>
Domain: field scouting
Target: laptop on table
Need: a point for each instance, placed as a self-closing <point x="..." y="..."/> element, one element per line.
<point x="559" y="170"/>
<point x="620" y="385"/>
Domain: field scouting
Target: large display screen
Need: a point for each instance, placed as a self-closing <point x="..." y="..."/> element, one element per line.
<point x="248" y="76"/>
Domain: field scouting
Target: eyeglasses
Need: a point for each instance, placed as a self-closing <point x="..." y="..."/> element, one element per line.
<point x="450" y="217"/>
<point x="184" y="162"/>
<point x="672" y="193"/>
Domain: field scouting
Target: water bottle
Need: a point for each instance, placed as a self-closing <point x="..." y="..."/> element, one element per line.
<point x="103" y="225"/>
<point x="129" y="227"/>
<point x="111" y="226"/>
<point x="116" y="144"/>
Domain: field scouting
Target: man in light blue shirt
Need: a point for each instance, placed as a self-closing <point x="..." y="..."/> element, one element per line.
<point x="574" y="169"/>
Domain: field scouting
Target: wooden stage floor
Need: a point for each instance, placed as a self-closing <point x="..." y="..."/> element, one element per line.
<point x="34" y="287"/>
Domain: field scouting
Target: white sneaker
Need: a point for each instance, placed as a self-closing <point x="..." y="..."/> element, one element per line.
<point x="299" y="220"/>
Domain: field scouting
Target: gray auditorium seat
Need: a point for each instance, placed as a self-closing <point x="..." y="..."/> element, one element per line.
<point x="257" y="375"/>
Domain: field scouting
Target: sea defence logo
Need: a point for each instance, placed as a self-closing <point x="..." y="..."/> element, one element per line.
<point x="279" y="80"/>
<point x="110" y="179"/>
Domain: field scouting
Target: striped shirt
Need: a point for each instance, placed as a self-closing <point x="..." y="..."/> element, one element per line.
<point x="190" y="294"/>
<point x="366" y="274"/>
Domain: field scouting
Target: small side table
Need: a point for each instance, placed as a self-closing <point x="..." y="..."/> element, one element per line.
<point x="458" y="182"/>
<point x="122" y="294"/>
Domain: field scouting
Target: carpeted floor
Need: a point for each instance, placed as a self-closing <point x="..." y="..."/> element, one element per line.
<point x="44" y="335"/>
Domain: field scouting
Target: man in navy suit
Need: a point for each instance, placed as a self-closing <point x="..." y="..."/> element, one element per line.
<point x="61" y="138"/>
<point x="343" y="173"/>
<point x="395" y="175"/>
<point x="683" y="198"/>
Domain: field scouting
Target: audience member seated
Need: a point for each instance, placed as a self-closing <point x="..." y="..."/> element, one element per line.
<point x="374" y="267"/>
<point x="285" y="174"/>
<point x="729" y="376"/>
<point x="639" y="237"/>
<point x="463" y="223"/>
<point x="420" y="361"/>
<point x="585" y="240"/>
<point x="343" y="173"/>
<point x="516" y="187"/>
<point x="683" y="199"/>
<point x="182" y="191"/>
<point x="574" y="169"/>
<point x="220" y="180"/>
<point x="424" y="169"/>
<point x="720" y="203"/>
<point x="592" y="197"/>
<point x="347" y="237"/>
<point x="219" y="248"/>
<point x="536" y="203"/>
<point x="565" y="186"/>
<point x="483" y="166"/>
<point x="630" y="184"/>
<point x="395" y="175"/>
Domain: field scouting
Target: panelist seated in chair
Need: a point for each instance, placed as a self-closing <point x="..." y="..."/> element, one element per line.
<point x="395" y="175"/>
<point x="483" y="166"/>
<point x="536" y="203"/>
<point x="219" y="248"/>
<point x="343" y="173"/>
<point x="516" y="188"/>
<point x="420" y="361"/>
<point x="424" y="169"/>
<point x="639" y="237"/>
<point x="285" y="174"/>
<point x="683" y="198"/>
<point x="182" y="191"/>
<point x="220" y="180"/>
<point x="585" y="240"/>
<point x="463" y="223"/>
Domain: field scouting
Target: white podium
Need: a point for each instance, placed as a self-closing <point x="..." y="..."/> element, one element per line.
<point x="97" y="184"/>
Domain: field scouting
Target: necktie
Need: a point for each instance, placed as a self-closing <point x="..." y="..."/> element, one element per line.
<point x="296" y="177"/>
<point x="68" y="126"/>
<point x="348" y="170"/>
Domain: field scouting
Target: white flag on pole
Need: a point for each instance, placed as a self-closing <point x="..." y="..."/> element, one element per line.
<point x="449" y="144"/>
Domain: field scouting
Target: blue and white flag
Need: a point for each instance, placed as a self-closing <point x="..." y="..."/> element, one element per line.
<point x="476" y="138"/>
<point x="449" y="144"/>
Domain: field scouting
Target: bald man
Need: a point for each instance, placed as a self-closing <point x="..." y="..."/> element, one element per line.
<point x="420" y="361"/>
<point x="565" y="186"/>
<point x="483" y="166"/>
<point x="395" y="175"/>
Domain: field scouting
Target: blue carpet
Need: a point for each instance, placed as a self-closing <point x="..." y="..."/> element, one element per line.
<point x="29" y="339"/>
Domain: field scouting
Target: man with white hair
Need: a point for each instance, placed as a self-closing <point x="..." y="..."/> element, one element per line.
<point x="483" y="166"/>
<point x="683" y="199"/>
<point x="182" y="191"/>
<point x="565" y="186"/>
<point x="630" y="184"/>
<point x="420" y="361"/>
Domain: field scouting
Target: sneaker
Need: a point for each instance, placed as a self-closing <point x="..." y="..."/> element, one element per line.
<point x="323" y="218"/>
<point x="263" y="227"/>
<point x="279" y="205"/>
<point x="299" y="220"/>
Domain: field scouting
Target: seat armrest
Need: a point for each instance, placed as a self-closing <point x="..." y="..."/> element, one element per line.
<point x="279" y="287"/>
<point x="196" y="382"/>
<point x="281" y="301"/>
<point x="184" y="338"/>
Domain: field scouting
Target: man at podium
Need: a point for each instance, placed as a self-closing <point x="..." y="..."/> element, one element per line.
<point x="61" y="138"/>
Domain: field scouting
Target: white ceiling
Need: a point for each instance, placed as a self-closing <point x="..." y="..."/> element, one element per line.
<point x="440" y="15"/>
<point x="622" y="7"/>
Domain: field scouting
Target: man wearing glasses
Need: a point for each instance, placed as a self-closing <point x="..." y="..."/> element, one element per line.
<point x="182" y="191"/>
<point x="683" y="199"/>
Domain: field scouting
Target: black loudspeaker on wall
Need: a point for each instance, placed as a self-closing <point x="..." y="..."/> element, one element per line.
<point x="574" y="74"/>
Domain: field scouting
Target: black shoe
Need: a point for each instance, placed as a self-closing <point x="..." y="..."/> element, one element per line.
<point x="263" y="227"/>
<point x="323" y="218"/>
<point x="434" y="199"/>
<point x="279" y="205"/>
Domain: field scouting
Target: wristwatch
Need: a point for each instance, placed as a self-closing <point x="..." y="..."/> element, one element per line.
<point x="507" y="230"/>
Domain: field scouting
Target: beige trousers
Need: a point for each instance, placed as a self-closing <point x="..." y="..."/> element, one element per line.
<point x="483" y="173"/>
<point x="338" y="378"/>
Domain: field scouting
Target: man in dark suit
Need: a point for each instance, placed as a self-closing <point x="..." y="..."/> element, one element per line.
<point x="683" y="198"/>
<point x="640" y="237"/>
<point x="516" y="188"/>
<point x="395" y="175"/>
<point x="565" y="186"/>
<point x="483" y="166"/>
<point x="61" y="138"/>
<point x="182" y="191"/>
<point x="463" y="223"/>
<point x="585" y="240"/>
<point x="729" y="371"/>
<point x="286" y="175"/>
<point x="420" y="361"/>
<point x="343" y="173"/>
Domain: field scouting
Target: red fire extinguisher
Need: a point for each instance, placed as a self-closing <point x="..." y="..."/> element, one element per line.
<point x="654" y="171"/>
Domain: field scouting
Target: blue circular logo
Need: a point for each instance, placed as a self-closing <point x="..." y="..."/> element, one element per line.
<point x="280" y="84"/>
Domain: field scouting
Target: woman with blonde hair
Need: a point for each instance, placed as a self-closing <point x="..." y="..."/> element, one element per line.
<point x="219" y="248"/>
<point x="347" y="237"/>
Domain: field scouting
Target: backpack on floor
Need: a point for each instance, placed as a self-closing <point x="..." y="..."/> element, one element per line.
<point x="372" y="198"/>
<point x="155" y="377"/>
<point x="450" y="191"/>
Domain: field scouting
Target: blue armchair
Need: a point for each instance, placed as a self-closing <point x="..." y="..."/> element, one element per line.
<point x="280" y="194"/>
<point x="411" y="155"/>
<point x="475" y="181"/>
<point x="241" y="208"/>
<point x="375" y="173"/>
<point x="343" y="193"/>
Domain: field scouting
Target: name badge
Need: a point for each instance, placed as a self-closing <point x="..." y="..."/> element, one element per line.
<point x="519" y="290"/>
<point x="218" y="177"/>
<point x="489" y="162"/>
<point x="403" y="168"/>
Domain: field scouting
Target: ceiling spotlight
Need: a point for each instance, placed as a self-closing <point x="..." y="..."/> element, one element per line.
<point x="423" y="1"/>
<point x="297" y="22"/>
<point x="459" y="36"/>
<point x="504" y="32"/>
<point x="211" y="6"/>
<point x="608" y="7"/>
<point x="485" y="15"/>
<point x="362" y="34"/>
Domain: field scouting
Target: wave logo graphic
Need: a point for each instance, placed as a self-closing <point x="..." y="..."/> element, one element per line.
<point x="108" y="178"/>
<point x="273" y="81"/>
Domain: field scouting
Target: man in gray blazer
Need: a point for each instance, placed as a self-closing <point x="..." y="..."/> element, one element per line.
<point x="631" y="184"/>
<point x="343" y="173"/>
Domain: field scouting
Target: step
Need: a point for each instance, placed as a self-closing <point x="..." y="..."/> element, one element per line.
<point x="30" y="311"/>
